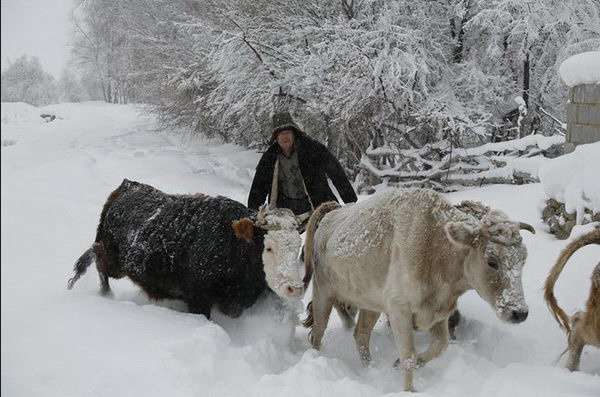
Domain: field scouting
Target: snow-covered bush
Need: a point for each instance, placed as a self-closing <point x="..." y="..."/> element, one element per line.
<point x="24" y="80"/>
<point x="70" y="88"/>
<point x="15" y="113"/>
<point x="572" y="187"/>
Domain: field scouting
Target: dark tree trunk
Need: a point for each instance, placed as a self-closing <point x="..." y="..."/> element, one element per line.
<point x="526" y="122"/>
<point x="108" y="92"/>
<point x="526" y="68"/>
<point x="348" y="7"/>
<point x="104" y="92"/>
<point x="457" y="52"/>
<point x="457" y="56"/>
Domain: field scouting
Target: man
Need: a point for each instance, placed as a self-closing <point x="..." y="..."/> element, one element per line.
<point x="293" y="172"/>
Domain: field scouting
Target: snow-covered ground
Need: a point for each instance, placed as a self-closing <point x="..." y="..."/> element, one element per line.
<point x="55" y="178"/>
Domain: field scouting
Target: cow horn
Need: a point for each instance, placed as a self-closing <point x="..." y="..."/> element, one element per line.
<point x="261" y="216"/>
<point x="261" y="219"/>
<point x="526" y="226"/>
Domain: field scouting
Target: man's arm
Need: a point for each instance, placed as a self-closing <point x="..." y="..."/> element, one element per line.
<point x="261" y="185"/>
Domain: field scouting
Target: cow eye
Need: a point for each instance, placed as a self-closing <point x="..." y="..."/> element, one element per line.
<point x="493" y="264"/>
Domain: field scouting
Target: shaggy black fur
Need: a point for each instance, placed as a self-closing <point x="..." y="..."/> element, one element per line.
<point x="178" y="247"/>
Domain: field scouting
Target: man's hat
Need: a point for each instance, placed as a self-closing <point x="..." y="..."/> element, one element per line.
<point x="283" y="121"/>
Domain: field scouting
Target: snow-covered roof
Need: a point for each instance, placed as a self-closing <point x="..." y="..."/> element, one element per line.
<point x="582" y="68"/>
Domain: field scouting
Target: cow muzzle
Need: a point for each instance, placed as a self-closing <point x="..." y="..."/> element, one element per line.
<point x="518" y="316"/>
<point x="293" y="291"/>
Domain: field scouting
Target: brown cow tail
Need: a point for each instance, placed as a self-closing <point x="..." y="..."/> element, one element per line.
<point x="560" y="316"/>
<point x="81" y="266"/>
<point x="309" y="320"/>
<point x="311" y="228"/>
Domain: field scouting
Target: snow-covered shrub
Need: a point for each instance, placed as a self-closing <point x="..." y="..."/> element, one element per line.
<point x="572" y="187"/>
<point x="24" y="80"/>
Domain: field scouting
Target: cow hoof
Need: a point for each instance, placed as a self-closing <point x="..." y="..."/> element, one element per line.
<point x="107" y="293"/>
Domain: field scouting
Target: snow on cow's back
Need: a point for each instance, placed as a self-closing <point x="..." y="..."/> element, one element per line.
<point x="359" y="227"/>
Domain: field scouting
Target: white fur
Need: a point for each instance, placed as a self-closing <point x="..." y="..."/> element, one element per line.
<point x="280" y="253"/>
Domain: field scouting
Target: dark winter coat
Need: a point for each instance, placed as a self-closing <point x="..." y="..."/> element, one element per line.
<point x="181" y="247"/>
<point x="316" y="164"/>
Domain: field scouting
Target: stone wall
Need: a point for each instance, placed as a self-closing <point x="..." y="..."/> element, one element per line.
<point x="583" y="115"/>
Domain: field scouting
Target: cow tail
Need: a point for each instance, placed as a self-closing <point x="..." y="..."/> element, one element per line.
<point x="89" y="256"/>
<point x="559" y="315"/>
<point x="311" y="228"/>
<point x="310" y="319"/>
<point x="81" y="266"/>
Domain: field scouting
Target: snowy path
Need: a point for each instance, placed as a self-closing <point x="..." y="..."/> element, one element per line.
<point x="55" y="178"/>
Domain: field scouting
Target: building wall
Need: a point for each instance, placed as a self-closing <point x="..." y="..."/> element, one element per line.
<point x="583" y="115"/>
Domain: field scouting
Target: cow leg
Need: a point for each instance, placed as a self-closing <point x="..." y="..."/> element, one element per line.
<point x="200" y="307"/>
<point x="402" y="327"/>
<point x="439" y="342"/>
<point x="346" y="312"/>
<point x="321" y="310"/>
<point x="453" y="322"/>
<point x="576" y="343"/>
<point x="102" y="266"/>
<point x="104" y="285"/>
<point x="362" y="334"/>
<point x="575" y="350"/>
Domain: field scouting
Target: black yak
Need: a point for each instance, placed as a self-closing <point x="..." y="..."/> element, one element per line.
<point x="206" y="251"/>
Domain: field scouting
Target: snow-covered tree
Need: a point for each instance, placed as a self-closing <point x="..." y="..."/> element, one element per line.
<point x="356" y="74"/>
<point x="102" y="47"/>
<point x="530" y="39"/>
<point x="70" y="88"/>
<point x="24" y="80"/>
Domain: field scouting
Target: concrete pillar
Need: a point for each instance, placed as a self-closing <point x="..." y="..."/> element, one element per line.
<point x="583" y="116"/>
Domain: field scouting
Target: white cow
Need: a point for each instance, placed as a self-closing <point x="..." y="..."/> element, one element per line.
<point x="411" y="254"/>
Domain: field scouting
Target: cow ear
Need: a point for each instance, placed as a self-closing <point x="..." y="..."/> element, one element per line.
<point x="462" y="234"/>
<point x="244" y="229"/>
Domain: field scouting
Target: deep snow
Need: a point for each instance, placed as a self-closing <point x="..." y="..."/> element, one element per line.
<point x="573" y="179"/>
<point x="55" y="178"/>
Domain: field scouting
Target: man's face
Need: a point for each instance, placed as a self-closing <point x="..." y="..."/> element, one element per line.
<point x="285" y="139"/>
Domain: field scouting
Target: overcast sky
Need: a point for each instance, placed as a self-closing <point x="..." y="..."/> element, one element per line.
<point x="36" y="27"/>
